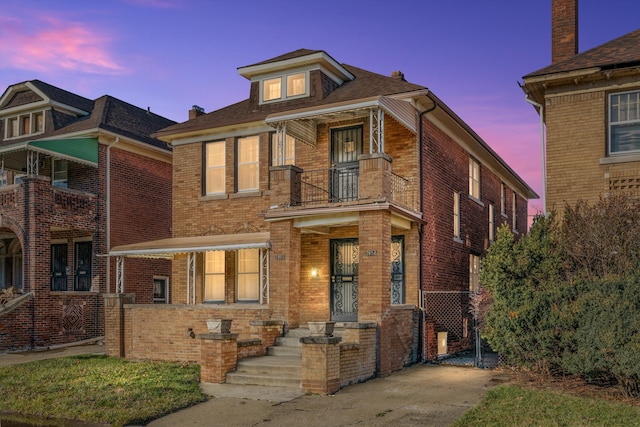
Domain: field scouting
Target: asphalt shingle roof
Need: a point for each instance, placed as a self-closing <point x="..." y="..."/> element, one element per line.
<point x="622" y="51"/>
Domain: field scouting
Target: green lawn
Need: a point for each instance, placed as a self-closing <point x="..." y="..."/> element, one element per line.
<point x="510" y="405"/>
<point x="99" y="389"/>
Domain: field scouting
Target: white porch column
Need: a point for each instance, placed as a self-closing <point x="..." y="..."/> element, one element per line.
<point x="191" y="278"/>
<point x="376" y="130"/>
<point x="120" y="275"/>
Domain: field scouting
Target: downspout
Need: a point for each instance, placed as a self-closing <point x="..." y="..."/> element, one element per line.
<point x="421" y="233"/>
<point x="108" y="202"/>
<point x="544" y="151"/>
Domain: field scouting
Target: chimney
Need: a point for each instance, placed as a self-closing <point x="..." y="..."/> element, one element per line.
<point x="195" y="112"/>
<point x="398" y="75"/>
<point x="564" y="29"/>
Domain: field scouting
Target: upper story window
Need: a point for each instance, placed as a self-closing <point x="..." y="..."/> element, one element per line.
<point x="248" y="163"/>
<point x="514" y="212"/>
<point x="456" y="215"/>
<point x="284" y="87"/>
<point x="214" y="167"/>
<point x="624" y="122"/>
<point x="24" y="124"/>
<point x="492" y="223"/>
<point x="474" y="178"/>
<point x="60" y="173"/>
<point x="503" y="199"/>
<point x="283" y="155"/>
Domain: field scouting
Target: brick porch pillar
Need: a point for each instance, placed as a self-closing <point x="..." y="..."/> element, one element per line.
<point x="374" y="180"/>
<point x="284" y="272"/>
<point x="374" y="277"/>
<point x="114" y="320"/>
<point x="218" y="355"/>
<point x="285" y="186"/>
<point x="320" y="364"/>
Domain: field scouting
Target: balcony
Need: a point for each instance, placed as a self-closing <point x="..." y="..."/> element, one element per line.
<point x="370" y="181"/>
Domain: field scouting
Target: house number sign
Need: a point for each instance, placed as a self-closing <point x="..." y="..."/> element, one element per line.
<point x="371" y="253"/>
<point x="280" y="257"/>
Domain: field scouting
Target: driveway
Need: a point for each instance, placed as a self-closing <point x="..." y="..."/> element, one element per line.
<point x="421" y="395"/>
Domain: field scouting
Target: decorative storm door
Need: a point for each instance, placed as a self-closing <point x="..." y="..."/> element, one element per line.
<point x="344" y="280"/>
<point x="59" y="267"/>
<point x="82" y="266"/>
<point x="346" y="147"/>
<point x="397" y="270"/>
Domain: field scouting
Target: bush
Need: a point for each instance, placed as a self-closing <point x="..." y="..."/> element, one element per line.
<point x="566" y="297"/>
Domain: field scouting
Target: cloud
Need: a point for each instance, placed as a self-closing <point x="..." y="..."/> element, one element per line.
<point x="156" y="4"/>
<point x="47" y="43"/>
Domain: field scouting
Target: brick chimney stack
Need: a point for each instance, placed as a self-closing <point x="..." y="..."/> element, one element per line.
<point x="195" y="112"/>
<point x="564" y="29"/>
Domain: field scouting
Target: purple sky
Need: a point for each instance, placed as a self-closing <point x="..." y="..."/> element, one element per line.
<point x="171" y="54"/>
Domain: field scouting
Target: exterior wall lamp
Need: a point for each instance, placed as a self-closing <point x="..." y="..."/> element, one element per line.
<point x="315" y="272"/>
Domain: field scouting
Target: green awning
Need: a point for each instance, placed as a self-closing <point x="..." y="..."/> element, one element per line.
<point x="80" y="150"/>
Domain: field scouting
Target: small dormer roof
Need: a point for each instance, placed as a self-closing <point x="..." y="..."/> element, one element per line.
<point x="297" y="59"/>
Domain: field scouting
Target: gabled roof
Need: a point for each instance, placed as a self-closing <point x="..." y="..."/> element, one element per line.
<point x="291" y="55"/>
<point x="365" y="85"/>
<point x="621" y="52"/>
<point x="64" y="97"/>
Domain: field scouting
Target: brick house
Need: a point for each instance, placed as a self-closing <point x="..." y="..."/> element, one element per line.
<point x="590" y="104"/>
<point x="330" y="194"/>
<point x="76" y="176"/>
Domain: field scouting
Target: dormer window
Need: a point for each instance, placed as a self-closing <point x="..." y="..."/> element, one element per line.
<point x="284" y="87"/>
<point x="24" y="124"/>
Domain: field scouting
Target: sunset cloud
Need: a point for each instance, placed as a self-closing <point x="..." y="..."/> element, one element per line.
<point x="47" y="43"/>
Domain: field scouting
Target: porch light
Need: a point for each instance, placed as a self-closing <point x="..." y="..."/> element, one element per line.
<point x="315" y="272"/>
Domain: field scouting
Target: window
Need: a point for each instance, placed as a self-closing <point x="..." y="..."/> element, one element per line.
<point x="456" y="215"/>
<point x="624" y="122"/>
<point x="3" y="177"/>
<point x="214" y="276"/>
<point x="272" y="89"/>
<point x="59" y="172"/>
<point x="215" y="168"/>
<point x="474" y="179"/>
<point x="474" y="273"/>
<point x="25" y="124"/>
<point x="286" y="157"/>
<point x="248" y="275"/>
<point x="296" y="85"/>
<point x="397" y="270"/>
<point x="248" y="167"/>
<point x="284" y="87"/>
<point x="514" y="212"/>
<point x="160" y="290"/>
<point x="503" y="199"/>
<point x="491" y="223"/>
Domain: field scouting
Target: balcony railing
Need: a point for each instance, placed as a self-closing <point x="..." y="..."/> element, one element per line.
<point x="337" y="185"/>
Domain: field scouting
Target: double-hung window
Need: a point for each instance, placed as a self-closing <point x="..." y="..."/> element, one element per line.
<point x="624" y="122"/>
<point x="160" y="290"/>
<point x="283" y="155"/>
<point x="503" y="199"/>
<point x="514" y="212"/>
<point x="248" y="275"/>
<point x="60" y="173"/>
<point x="248" y="163"/>
<point x="456" y="216"/>
<point x="474" y="273"/>
<point x="474" y="179"/>
<point x="492" y="226"/>
<point x="214" y="276"/>
<point x="214" y="168"/>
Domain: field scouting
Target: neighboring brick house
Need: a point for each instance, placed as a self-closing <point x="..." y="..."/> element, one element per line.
<point x="331" y="194"/>
<point x="76" y="177"/>
<point x="590" y="104"/>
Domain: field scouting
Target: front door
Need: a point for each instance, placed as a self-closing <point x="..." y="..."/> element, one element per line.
<point x="344" y="280"/>
<point x="59" y="267"/>
<point x="82" y="266"/>
<point x="346" y="147"/>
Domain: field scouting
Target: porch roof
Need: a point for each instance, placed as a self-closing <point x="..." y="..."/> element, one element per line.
<point x="80" y="150"/>
<point x="166" y="248"/>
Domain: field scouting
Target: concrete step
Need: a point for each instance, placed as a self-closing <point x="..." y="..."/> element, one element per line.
<point x="264" y="380"/>
<point x="285" y="351"/>
<point x="271" y="365"/>
<point x="288" y="341"/>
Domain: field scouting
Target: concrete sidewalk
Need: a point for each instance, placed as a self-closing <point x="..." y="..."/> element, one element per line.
<point x="8" y="359"/>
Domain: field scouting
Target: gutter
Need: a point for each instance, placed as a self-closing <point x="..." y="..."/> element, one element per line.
<point x="108" y="203"/>
<point x="540" y="108"/>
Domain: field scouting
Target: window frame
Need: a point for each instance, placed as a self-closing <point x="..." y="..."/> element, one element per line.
<point x="474" y="179"/>
<point x="15" y="125"/>
<point x="621" y="123"/>
<point x="248" y="273"/>
<point x="284" y="87"/>
<point x="514" y="211"/>
<point x="289" y="155"/>
<point x="492" y="223"/>
<point x="60" y="182"/>
<point x="165" y="281"/>
<point x="217" y="274"/>
<point x="208" y="168"/>
<point x="474" y="273"/>
<point x="241" y="165"/>
<point x="456" y="216"/>
<point x="503" y="198"/>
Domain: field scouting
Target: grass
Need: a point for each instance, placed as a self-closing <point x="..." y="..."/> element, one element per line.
<point x="99" y="389"/>
<point x="510" y="405"/>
